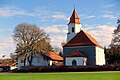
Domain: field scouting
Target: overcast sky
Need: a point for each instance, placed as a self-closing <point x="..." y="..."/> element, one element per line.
<point x="98" y="18"/>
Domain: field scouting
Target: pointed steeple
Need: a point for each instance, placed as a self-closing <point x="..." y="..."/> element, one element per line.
<point x="74" y="18"/>
<point x="74" y="26"/>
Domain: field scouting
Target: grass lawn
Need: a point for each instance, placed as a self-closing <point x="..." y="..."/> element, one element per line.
<point x="61" y="76"/>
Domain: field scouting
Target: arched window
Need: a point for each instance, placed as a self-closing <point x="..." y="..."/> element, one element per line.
<point x="73" y="30"/>
<point x="74" y="62"/>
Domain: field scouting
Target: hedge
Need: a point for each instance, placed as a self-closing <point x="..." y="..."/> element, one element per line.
<point x="68" y="68"/>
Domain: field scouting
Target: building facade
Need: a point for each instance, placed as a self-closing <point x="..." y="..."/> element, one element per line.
<point x="79" y="40"/>
<point x="40" y="59"/>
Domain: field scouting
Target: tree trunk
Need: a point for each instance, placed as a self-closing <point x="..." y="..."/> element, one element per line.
<point x="25" y="60"/>
<point x="30" y="59"/>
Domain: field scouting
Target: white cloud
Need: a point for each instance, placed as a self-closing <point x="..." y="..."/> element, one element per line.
<point x="6" y="45"/>
<point x="43" y="20"/>
<point x="102" y="33"/>
<point x="43" y="14"/>
<point x="91" y="16"/>
<point x="12" y="11"/>
<point x="56" y="29"/>
<point x="60" y="15"/>
<point x="110" y="16"/>
<point x="86" y="16"/>
<point x="53" y="29"/>
<point x="56" y="40"/>
<point x="57" y="33"/>
<point x="109" y="5"/>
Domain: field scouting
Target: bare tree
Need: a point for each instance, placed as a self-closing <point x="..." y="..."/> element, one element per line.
<point x="29" y="39"/>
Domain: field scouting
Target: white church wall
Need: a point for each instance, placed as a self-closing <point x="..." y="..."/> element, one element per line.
<point x="100" y="56"/>
<point x="80" y="61"/>
<point x="77" y="27"/>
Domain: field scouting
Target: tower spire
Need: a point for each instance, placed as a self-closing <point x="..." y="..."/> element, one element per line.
<point x="74" y="18"/>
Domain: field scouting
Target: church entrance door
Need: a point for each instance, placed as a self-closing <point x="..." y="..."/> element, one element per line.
<point x="74" y="62"/>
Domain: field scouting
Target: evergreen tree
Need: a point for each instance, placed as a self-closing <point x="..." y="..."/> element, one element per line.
<point x="116" y="36"/>
<point x="113" y="53"/>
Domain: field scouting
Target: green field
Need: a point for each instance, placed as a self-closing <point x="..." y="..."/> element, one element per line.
<point x="61" y="76"/>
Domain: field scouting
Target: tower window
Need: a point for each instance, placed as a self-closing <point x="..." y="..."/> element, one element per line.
<point x="73" y="30"/>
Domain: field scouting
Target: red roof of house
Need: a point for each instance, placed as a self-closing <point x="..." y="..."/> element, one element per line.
<point x="76" y="53"/>
<point x="6" y="64"/>
<point x="51" y="55"/>
<point x="74" y="18"/>
<point x="82" y="39"/>
<point x="54" y="56"/>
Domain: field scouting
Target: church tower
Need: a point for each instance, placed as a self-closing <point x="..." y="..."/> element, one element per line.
<point x="74" y="26"/>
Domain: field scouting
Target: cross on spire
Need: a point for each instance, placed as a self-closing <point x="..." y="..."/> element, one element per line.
<point x="74" y="6"/>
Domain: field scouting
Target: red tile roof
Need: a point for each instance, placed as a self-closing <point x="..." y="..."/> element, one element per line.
<point x="51" y="55"/>
<point x="74" y="18"/>
<point x="6" y="64"/>
<point x="76" y="53"/>
<point x="54" y="56"/>
<point x="82" y="39"/>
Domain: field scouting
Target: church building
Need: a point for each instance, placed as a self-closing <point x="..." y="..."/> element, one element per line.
<point x="81" y="48"/>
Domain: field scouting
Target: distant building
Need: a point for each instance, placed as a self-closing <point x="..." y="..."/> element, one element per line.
<point x="7" y="64"/>
<point x="81" y="48"/>
<point x="41" y="58"/>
